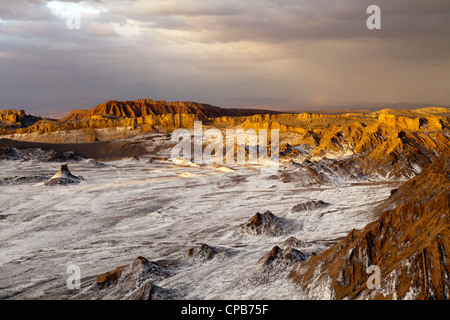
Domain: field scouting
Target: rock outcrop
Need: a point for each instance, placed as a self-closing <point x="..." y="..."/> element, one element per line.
<point x="205" y="252"/>
<point x="409" y="242"/>
<point x="309" y="206"/>
<point x="135" y="281"/>
<point x="293" y="242"/>
<point x="63" y="177"/>
<point x="264" y="224"/>
<point x="13" y="119"/>
<point x="279" y="259"/>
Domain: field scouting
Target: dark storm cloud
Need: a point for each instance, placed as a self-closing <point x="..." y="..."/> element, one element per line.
<point x="296" y="20"/>
<point x="296" y="52"/>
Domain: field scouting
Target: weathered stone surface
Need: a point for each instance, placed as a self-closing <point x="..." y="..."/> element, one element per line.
<point x="409" y="242"/>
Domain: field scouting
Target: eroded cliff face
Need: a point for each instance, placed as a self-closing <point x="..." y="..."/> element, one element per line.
<point x="142" y="114"/>
<point x="380" y="144"/>
<point x="409" y="242"/>
<point x="13" y="119"/>
<point x="389" y="151"/>
<point x="389" y="144"/>
<point x="148" y="107"/>
<point x="133" y="125"/>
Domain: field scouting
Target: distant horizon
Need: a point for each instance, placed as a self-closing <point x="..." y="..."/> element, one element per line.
<point x="351" y="107"/>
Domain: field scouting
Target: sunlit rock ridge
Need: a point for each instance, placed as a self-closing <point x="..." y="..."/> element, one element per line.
<point x="388" y="143"/>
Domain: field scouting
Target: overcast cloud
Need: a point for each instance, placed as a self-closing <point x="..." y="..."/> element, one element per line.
<point x="286" y="54"/>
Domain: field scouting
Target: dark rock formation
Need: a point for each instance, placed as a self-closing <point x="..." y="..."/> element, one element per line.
<point x="131" y="282"/>
<point x="393" y="191"/>
<point x="266" y="224"/>
<point x="13" y="119"/>
<point x="280" y="259"/>
<point x="309" y="206"/>
<point x="10" y="153"/>
<point x="293" y="242"/>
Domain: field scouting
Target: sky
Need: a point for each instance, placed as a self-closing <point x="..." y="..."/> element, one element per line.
<point x="287" y="55"/>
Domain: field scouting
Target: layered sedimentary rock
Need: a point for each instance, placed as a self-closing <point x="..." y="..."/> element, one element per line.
<point x="148" y="107"/>
<point x="100" y="121"/>
<point x="409" y="242"/>
<point x="13" y="119"/>
<point x="48" y="155"/>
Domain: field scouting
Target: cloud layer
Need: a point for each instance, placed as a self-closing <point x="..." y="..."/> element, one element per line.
<point x="288" y="54"/>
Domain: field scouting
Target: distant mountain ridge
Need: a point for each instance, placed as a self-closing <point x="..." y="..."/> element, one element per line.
<point x="148" y="107"/>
